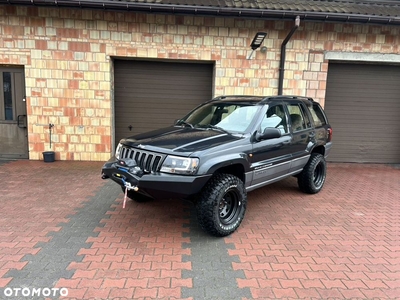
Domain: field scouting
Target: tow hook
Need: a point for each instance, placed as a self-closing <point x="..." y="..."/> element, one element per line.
<point x="128" y="187"/>
<point x="104" y="176"/>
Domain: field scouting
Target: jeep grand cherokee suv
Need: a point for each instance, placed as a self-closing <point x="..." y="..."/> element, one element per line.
<point x="223" y="149"/>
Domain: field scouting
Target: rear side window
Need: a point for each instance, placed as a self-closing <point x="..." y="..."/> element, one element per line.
<point x="317" y="115"/>
<point x="296" y="117"/>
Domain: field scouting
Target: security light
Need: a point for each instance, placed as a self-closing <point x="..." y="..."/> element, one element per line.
<point x="257" y="41"/>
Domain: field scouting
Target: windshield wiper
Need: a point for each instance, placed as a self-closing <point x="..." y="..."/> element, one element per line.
<point x="184" y="123"/>
<point x="218" y="128"/>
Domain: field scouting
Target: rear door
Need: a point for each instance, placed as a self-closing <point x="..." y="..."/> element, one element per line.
<point x="302" y="134"/>
<point x="13" y="118"/>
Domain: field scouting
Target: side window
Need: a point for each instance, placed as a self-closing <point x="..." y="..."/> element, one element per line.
<point x="306" y="118"/>
<point x="296" y="117"/>
<point x="317" y="115"/>
<point x="275" y="118"/>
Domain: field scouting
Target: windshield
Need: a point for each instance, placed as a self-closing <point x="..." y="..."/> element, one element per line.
<point x="232" y="117"/>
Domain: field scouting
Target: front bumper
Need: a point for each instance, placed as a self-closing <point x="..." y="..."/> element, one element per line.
<point x="155" y="185"/>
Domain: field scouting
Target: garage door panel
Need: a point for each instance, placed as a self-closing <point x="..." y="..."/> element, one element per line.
<point x="154" y="100"/>
<point x="167" y="83"/>
<point x="145" y="106"/>
<point x="363" y="106"/>
<point x="153" y="94"/>
<point x="161" y="90"/>
<point x="156" y="116"/>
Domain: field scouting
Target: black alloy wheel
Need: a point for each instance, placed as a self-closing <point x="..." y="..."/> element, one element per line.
<point x="222" y="205"/>
<point x="312" y="178"/>
<point x="229" y="207"/>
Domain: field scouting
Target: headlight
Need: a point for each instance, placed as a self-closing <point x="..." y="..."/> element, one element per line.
<point x="180" y="165"/>
<point x="118" y="151"/>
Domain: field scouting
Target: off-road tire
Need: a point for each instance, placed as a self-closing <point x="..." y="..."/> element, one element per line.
<point x="312" y="178"/>
<point x="222" y="205"/>
<point x="135" y="196"/>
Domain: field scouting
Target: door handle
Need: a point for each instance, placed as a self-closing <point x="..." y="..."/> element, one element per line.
<point x="23" y="123"/>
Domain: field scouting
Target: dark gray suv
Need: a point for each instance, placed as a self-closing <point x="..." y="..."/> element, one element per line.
<point x="223" y="149"/>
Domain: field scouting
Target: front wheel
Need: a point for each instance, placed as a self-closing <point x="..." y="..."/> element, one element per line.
<point x="312" y="178"/>
<point x="222" y="205"/>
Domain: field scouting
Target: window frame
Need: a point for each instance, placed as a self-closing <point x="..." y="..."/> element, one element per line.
<point x="3" y="119"/>
<point x="312" y="110"/>
<point x="284" y="112"/>
<point x="301" y="113"/>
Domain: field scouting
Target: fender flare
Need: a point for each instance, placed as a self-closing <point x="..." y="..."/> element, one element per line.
<point x="214" y="164"/>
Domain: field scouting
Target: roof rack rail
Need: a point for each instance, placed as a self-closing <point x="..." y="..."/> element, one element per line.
<point x="262" y="98"/>
<point x="238" y="96"/>
<point x="290" y="97"/>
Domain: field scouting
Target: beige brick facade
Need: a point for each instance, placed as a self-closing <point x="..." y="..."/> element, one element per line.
<point x="67" y="55"/>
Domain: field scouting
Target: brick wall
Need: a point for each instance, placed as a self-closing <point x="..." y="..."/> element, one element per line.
<point x="67" y="55"/>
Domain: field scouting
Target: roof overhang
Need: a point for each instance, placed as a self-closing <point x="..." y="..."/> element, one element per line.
<point x="213" y="11"/>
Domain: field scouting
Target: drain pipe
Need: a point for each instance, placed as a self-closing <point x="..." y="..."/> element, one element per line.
<point x="283" y="55"/>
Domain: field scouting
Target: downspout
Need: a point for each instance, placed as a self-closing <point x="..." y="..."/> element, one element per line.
<point x="283" y="55"/>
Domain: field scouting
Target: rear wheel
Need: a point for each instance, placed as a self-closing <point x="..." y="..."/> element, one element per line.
<point x="222" y="205"/>
<point x="312" y="178"/>
<point x="135" y="196"/>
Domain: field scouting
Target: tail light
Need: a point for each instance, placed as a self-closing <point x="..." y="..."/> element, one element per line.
<point x="329" y="134"/>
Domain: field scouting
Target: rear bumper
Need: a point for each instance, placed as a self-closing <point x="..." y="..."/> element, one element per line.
<point x="156" y="185"/>
<point x="328" y="147"/>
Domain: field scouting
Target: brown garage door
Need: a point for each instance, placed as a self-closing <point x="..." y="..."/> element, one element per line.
<point x="150" y="95"/>
<point x="363" y="106"/>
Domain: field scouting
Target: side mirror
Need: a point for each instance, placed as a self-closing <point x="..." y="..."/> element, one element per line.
<point x="269" y="133"/>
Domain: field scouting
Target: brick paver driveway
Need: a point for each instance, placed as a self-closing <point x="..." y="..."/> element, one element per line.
<point x="64" y="234"/>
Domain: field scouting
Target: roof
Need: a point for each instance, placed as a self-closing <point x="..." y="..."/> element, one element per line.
<point x="359" y="11"/>
<point x="259" y="99"/>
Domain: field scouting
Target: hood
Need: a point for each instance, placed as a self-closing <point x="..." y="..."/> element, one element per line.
<point x="180" y="139"/>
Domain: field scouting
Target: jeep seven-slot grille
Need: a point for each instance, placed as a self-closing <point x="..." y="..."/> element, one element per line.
<point x="146" y="160"/>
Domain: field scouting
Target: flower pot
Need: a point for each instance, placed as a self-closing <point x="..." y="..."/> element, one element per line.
<point x="49" y="156"/>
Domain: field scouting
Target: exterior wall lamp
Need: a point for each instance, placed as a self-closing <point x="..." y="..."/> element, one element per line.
<point x="256" y="42"/>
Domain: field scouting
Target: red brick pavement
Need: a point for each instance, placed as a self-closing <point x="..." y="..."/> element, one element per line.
<point x="341" y="243"/>
<point x="137" y="254"/>
<point x="35" y="198"/>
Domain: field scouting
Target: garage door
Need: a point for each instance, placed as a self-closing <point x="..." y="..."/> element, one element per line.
<point x="150" y="95"/>
<point x="363" y="106"/>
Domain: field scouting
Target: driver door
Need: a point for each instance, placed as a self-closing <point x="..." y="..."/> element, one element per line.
<point x="271" y="158"/>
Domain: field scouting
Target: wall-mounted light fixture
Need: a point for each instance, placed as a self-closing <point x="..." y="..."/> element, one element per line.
<point x="256" y="42"/>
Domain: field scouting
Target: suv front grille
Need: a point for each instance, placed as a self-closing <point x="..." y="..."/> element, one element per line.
<point x="146" y="160"/>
